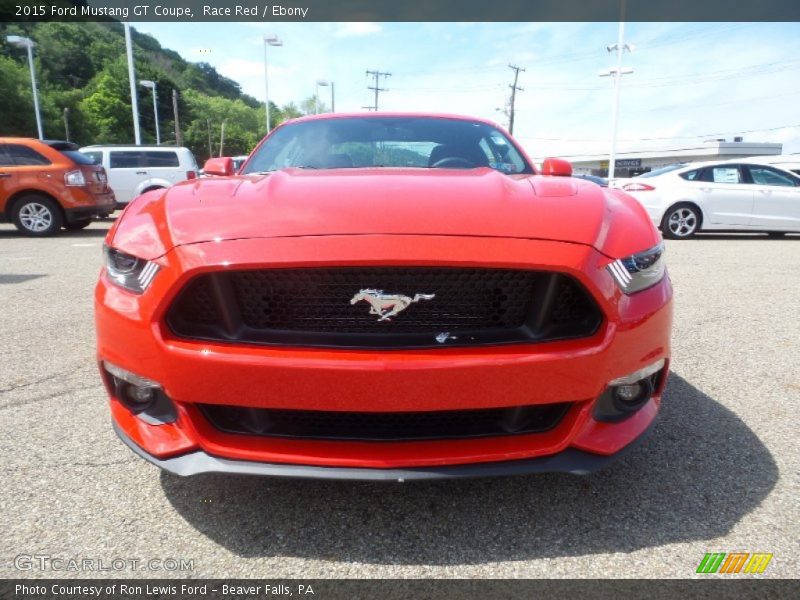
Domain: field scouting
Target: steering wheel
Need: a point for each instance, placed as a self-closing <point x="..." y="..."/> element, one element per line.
<point x="453" y="162"/>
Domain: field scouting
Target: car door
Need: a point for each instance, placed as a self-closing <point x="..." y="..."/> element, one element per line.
<point x="777" y="199"/>
<point x="126" y="168"/>
<point x="164" y="165"/>
<point x="724" y="198"/>
<point x="8" y="177"/>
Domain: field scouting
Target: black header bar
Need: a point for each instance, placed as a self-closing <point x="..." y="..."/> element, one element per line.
<point x="188" y="11"/>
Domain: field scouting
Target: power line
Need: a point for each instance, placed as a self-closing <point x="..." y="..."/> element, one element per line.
<point x="376" y="88"/>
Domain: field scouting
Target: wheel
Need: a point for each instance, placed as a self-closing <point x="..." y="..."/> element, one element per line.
<point x="681" y="222"/>
<point x="37" y="215"/>
<point x="76" y="225"/>
<point x="776" y="234"/>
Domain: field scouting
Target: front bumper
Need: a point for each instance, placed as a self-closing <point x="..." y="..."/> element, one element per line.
<point x="571" y="460"/>
<point x="132" y="334"/>
<point x="83" y="204"/>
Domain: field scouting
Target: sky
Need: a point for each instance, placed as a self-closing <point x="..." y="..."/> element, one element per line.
<point x="691" y="82"/>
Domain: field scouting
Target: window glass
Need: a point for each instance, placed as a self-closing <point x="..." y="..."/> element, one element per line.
<point x="156" y="158"/>
<point x="724" y="174"/>
<point x="767" y="176"/>
<point x="97" y="157"/>
<point x="661" y="171"/>
<point x="24" y="156"/>
<point x="79" y="158"/>
<point x="5" y="159"/>
<point x="120" y="159"/>
<point x="691" y="175"/>
<point x="419" y="142"/>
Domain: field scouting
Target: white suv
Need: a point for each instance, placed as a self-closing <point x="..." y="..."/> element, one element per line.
<point x="134" y="170"/>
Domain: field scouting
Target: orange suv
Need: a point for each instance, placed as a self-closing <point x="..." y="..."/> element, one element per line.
<point x="45" y="185"/>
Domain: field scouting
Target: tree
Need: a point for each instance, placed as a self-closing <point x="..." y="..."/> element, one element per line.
<point x="108" y="105"/>
<point x="312" y="105"/>
<point x="16" y="102"/>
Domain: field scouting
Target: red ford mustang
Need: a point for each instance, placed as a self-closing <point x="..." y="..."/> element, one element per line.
<point x="384" y="296"/>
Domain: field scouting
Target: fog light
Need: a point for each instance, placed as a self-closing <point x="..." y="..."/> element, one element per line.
<point x="140" y="395"/>
<point x="143" y="397"/>
<point x="629" y="393"/>
<point x="625" y="395"/>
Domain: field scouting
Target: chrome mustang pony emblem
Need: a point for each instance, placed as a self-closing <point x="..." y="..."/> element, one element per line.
<point x="387" y="305"/>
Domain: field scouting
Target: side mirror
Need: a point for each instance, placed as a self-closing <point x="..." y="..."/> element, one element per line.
<point x="219" y="166"/>
<point x="556" y="167"/>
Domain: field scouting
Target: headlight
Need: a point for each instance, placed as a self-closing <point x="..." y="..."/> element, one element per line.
<point x="129" y="272"/>
<point x="639" y="271"/>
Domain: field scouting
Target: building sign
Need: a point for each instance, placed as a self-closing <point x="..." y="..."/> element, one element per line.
<point x="628" y="162"/>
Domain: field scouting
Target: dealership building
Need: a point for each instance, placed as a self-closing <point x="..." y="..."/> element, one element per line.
<point x="630" y="164"/>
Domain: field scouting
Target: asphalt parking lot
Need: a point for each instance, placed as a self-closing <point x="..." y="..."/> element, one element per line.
<point x="720" y="472"/>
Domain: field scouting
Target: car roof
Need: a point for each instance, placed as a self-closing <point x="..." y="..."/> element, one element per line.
<point x="769" y="159"/>
<point x="379" y="115"/>
<point x="56" y="144"/>
<point x="133" y="147"/>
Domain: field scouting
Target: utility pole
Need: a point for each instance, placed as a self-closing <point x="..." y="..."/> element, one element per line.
<point x="222" y="138"/>
<point x="132" y="80"/>
<point x="210" y="149"/>
<point x="514" y="88"/>
<point x="66" y="123"/>
<point x="617" y="74"/>
<point x="178" y="136"/>
<point x="376" y="88"/>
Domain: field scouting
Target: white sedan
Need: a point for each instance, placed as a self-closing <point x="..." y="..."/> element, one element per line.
<point x="721" y="196"/>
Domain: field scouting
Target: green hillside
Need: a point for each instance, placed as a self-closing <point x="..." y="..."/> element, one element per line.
<point x="82" y="67"/>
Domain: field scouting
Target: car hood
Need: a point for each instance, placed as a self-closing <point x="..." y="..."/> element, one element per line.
<point x="305" y="202"/>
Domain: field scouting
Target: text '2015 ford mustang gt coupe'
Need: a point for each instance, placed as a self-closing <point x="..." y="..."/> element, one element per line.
<point x="384" y="296"/>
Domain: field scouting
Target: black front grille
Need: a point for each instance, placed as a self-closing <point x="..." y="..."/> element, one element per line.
<point x="405" y="426"/>
<point x="443" y="307"/>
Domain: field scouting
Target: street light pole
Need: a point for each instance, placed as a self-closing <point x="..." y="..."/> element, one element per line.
<point x="27" y="43"/>
<point x="325" y="83"/>
<point x="152" y="85"/>
<point x="617" y="73"/>
<point x="132" y="80"/>
<point x="269" y="40"/>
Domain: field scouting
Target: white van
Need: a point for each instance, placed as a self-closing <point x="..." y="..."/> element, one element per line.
<point x="133" y="170"/>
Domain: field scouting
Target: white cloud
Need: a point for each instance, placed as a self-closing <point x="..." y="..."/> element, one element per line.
<point x="356" y="29"/>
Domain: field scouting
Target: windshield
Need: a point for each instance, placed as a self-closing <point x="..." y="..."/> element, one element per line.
<point x="422" y="142"/>
<point x="661" y="171"/>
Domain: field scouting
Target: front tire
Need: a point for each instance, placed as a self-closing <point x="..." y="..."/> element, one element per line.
<point x="37" y="216"/>
<point x="681" y="221"/>
<point x="77" y="225"/>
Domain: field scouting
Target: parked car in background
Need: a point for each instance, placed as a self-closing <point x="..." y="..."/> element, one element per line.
<point x="134" y="170"/>
<point x="787" y="162"/>
<point x="45" y="185"/>
<point x="721" y="196"/>
<point x="601" y="181"/>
